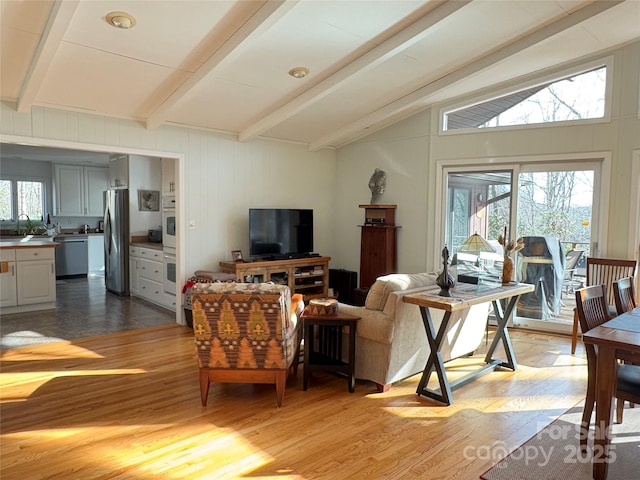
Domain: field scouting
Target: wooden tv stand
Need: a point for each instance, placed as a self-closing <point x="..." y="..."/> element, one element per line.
<point x="308" y="276"/>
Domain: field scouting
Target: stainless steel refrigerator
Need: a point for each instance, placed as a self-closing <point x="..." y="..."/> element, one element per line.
<point x="116" y="241"/>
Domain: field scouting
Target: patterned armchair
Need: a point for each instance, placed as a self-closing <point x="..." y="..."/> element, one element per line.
<point x="246" y="333"/>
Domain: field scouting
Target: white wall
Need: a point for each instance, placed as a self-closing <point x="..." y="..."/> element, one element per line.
<point x="402" y="151"/>
<point x="219" y="178"/>
<point x="410" y="151"/>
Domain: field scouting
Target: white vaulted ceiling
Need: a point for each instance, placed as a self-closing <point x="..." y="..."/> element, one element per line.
<point x="223" y="65"/>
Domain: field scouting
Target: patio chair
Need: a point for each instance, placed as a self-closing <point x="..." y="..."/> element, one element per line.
<point x="570" y="266"/>
<point x="603" y="271"/>
<point x="592" y="309"/>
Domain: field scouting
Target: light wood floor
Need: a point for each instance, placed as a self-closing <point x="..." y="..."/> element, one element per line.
<point x="127" y="406"/>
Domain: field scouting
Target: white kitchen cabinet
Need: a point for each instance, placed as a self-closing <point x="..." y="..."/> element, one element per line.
<point x="69" y="190"/>
<point x="96" y="254"/>
<point x="96" y="181"/>
<point x="8" y="285"/>
<point x="119" y="171"/>
<point x="168" y="176"/>
<point x="170" y="301"/>
<point x="146" y="272"/>
<point x="30" y="280"/>
<point x="133" y="276"/>
<point x="79" y="190"/>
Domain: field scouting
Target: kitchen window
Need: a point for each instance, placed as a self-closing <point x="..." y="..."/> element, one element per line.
<point x="21" y="197"/>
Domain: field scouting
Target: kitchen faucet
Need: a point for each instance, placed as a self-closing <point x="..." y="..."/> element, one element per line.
<point x="18" y="223"/>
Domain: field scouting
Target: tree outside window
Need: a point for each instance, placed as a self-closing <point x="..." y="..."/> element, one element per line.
<point x="21" y="197"/>
<point x="6" y="210"/>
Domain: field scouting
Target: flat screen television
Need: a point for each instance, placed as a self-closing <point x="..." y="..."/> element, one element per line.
<point x="280" y="232"/>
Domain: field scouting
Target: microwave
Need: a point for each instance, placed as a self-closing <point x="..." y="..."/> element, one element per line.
<point x="169" y="201"/>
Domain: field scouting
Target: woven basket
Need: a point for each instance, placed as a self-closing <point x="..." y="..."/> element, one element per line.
<point x="323" y="306"/>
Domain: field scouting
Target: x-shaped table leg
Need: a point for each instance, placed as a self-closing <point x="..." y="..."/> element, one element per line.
<point x="435" y="363"/>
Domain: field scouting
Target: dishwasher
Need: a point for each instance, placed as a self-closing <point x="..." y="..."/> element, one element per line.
<point x="72" y="256"/>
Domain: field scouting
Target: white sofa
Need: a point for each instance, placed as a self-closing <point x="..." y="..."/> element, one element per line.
<point x="391" y="342"/>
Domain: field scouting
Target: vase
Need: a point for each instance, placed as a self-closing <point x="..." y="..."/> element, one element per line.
<point x="445" y="280"/>
<point x="508" y="271"/>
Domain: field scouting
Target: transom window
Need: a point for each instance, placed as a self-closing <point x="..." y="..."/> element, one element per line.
<point x="578" y="97"/>
<point x="20" y="197"/>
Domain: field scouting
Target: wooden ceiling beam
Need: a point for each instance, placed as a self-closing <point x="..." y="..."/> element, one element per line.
<point x="416" y="100"/>
<point x="387" y="49"/>
<point x="264" y="18"/>
<point x="59" y="19"/>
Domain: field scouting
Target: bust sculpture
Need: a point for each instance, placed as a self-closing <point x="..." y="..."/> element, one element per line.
<point x="377" y="184"/>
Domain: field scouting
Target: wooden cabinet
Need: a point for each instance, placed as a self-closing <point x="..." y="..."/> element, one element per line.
<point x="79" y="190"/>
<point x="168" y="176"/>
<point x="146" y="272"/>
<point x="30" y="280"/>
<point x="378" y="243"/>
<point x="308" y="276"/>
<point x="119" y="171"/>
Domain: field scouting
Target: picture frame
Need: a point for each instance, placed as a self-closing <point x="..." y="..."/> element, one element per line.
<point x="148" y="200"/>
<point x="236" y="255"/>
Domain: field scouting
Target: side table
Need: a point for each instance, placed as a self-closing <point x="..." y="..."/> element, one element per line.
<point x="327" y="356"/>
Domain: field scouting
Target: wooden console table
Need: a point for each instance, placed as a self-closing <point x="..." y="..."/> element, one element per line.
<point x="464" y="296"/>
<point x="308" y="276"/>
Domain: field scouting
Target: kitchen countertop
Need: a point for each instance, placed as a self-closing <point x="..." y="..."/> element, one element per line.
<point x="154" y="246"/>
<point x="77" y="234"/>
<point x="28" y="244"/>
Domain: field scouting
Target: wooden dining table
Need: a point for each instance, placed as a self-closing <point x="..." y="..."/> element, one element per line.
<point x="617" y="338"/>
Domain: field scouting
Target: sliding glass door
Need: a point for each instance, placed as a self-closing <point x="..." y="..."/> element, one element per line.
<point x="551" y="208"/>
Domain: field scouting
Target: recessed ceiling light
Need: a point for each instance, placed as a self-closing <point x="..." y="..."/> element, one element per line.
<point x="299" y="72"/>
<point x="121" y="20"/>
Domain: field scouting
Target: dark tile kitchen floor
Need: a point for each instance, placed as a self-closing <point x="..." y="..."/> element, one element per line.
<point x="84" y="309"/>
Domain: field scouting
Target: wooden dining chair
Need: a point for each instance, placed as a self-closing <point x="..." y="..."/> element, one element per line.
<point x="623" y="295"/>
<point x="625" y="301"/>
<point x="592" y="308"/>
<point x="603" y="271"/>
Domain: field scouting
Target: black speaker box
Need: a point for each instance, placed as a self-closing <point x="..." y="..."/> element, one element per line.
<point x="343" y="282"/>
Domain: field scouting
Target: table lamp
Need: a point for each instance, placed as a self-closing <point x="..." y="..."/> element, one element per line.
<point x="475" y="244"/>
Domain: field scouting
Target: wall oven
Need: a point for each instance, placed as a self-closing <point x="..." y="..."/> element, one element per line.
<point x="170" y="274"/>
<point x="169" y="221"/>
